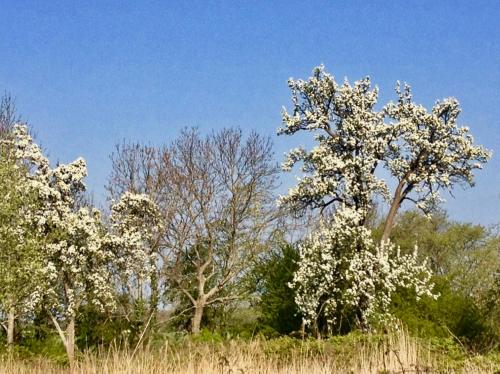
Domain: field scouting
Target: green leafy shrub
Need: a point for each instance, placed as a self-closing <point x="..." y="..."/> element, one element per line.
<point x="278" y="311"/>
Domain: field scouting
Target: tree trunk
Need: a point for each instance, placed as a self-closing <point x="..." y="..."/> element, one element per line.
<point x="70" y="341"/>
<point x="316" y="330"/>
<point x="360" y="320"/>
<point x="198" y="314"/>
<point x="67" y="337"/>
<point x="154" y="298"/>
<point x="11" y="318"/>
<point x="396" y="203"/>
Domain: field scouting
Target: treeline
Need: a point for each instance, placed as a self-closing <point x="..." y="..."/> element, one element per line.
<point x="187" y="223"/>
<point x="194" y="238"/>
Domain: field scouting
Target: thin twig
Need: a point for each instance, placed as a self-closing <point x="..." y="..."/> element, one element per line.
<point x="142" y="335"/>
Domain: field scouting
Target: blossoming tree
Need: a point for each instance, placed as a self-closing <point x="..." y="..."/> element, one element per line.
<point x="136" y="171"/>
<point x="135" y="223"/>
<point x="20" y="244"/>
<point x="79" y="257"/>
<point x="74" y="267"/>
<point x="342" y="271"/>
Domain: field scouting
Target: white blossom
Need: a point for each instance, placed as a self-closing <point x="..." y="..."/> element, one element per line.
<point x="430" y="151"/>
<point x="342" y="270"/>
<point x="134" y="223"/>
<point x="351" y="139"/>
<point x="78" y="259"/>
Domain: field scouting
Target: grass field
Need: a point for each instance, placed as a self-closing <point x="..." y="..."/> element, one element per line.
<point x="395" y="353"/>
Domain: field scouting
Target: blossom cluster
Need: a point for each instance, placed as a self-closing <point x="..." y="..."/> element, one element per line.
<point x="78" y="260"/>
<point x="342" y="270"/>
<point x="134" y="223"/>
<point x="351" y="142"/>
<point x="430" y="151"/>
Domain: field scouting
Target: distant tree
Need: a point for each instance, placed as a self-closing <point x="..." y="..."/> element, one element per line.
<point x="466" y="252"/>
<point x="8" y="115"/>
<point x="465" y="259"/>
<point x="134" y="169"/>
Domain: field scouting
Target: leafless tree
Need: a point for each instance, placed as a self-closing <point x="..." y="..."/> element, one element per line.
<point x="222" y="186"/>
<point x="215" y="194"/>
<point x="8" y="114"/>
<point x="134" y="169"/>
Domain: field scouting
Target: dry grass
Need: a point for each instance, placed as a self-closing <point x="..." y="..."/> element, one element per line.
<point x="396" y="353"/>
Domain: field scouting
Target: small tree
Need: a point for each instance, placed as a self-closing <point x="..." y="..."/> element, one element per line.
<point x="76" y="258"/>
<point x="272" y="275"/>
<point x="135" y="224"/>
<point x="137" y="169"/>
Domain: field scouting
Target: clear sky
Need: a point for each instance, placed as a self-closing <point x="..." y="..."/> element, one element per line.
<point x="87" y="74"/>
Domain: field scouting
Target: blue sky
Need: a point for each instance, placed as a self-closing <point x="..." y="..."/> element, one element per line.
<point x="88" y="74"/>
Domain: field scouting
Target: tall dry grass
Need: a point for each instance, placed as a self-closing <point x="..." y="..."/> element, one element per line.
<point x="396" y="353"/>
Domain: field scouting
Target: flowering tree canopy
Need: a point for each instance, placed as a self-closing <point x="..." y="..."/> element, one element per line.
<point x="424" y="151"/>
<point x="428" y="152"/>
<point x="74" y="266"/>
<point x="351" y="138"/>
<point x="21" y="260"/>
<point x="344" y="272"/>
<point x="78" y="256"/>
<point x="134" y="224"/>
